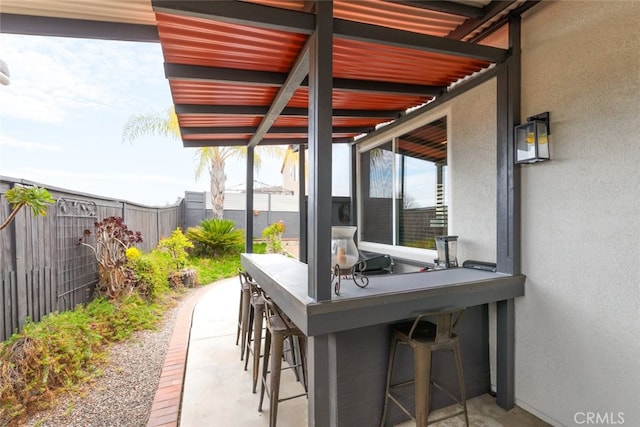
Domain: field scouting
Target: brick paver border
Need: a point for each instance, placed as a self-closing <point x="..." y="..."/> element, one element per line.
<point x="165" y="411"/>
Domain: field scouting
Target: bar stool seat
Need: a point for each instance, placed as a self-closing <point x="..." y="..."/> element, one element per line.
<point x="425" y="337"/>
<point x="243" y="310"/>
<point x="279" y="327"/>
<point x="255" y="329"/>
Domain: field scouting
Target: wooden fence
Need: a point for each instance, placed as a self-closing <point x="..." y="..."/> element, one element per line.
<point x="42" y="267"/>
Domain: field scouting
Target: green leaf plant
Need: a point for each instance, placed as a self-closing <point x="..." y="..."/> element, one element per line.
<point x="34" y="197"/>
<point x="176" y="245"/>
<point x="273" y="236"/>
<point x="214" y="237"/>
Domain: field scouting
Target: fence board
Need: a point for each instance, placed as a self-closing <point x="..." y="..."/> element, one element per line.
<point x="13" y="300"/>
<point x="43" y="269"/>
<point x="7" y="305"/>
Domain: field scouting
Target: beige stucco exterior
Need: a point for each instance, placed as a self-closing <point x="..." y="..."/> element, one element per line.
<point x="578" y="326"/>
<point x="577" y="329"/>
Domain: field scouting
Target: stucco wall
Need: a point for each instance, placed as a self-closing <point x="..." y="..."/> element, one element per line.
<point x="472" y="172"/>
<point x="578" y="327"/>
<point x="472" y="167"/>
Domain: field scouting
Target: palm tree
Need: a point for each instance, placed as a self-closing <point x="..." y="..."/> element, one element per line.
<point x="211" y="158"/>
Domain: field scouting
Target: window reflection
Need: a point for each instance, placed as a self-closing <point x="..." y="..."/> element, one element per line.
<point x="412" y="171"/>
<point x="377" y="194"/>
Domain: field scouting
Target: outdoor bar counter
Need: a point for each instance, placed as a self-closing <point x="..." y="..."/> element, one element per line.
<point x="355" y="324"/>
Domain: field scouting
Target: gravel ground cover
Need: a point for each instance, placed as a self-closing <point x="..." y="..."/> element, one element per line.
<point x="123" y="395"/>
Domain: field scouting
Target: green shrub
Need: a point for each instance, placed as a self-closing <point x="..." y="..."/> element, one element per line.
<point x="64" y="349"/>
<point x="214" y="237"/>
<point x="212" y="269"/>
<point x="150" y="273"/>
<point x="273" y="235"/>
<point x="176" y="246"/>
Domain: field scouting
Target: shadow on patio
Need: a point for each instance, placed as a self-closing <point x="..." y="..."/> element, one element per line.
<point x="217" y="390"/>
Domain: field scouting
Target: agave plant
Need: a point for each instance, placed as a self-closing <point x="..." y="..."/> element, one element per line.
<point x="215" y="236"/>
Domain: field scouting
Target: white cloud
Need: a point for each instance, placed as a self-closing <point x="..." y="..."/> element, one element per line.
<point x="53" y="79"/>
<point x="6" y="141"/>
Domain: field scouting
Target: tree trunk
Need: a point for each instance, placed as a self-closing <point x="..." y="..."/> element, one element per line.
<point x="218" y="180"/>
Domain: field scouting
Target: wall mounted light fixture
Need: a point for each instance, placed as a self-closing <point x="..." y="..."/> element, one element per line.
<point x="532" y="139"/>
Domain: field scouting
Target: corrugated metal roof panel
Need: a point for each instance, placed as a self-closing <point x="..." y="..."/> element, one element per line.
<point x="217" y="136"/>
<point x="196" y="41"/>
<point x="214" y="93"/>
<point x="202" y="120"/>
<point x="213" y="43"/>
<point x="262" y="52"/>
<point x="125" y="11"/>
<point x="398" y="16"/>
<point x="343" y="99"/>
<point x="368" y="61"/>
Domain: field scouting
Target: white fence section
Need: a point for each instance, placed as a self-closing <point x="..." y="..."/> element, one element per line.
<point x="261" y="202"/>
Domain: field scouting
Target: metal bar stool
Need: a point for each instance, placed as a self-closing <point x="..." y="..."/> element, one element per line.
<point x="279" y="327"/>
<point x="243" y="310"/>
<point x="254" y="333"/>
<point x="425" y="337"/>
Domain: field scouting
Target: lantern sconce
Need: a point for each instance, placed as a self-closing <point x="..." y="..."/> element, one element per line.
<point x="532" y="139"/>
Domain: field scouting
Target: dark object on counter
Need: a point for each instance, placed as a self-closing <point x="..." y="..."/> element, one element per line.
<point x="480" y="265"/>
<point x="372" y="263"/>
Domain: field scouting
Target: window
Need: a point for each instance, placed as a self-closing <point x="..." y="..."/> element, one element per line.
<point x="402" y="187"/>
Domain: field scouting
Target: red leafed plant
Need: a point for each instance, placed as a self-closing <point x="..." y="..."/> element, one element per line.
<point x="113" y="238"/>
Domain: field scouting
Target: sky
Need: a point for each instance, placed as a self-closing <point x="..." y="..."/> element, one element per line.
<point x="62" y="115"/>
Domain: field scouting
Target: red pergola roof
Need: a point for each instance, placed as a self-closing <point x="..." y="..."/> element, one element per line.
<point x="227" y="61"/>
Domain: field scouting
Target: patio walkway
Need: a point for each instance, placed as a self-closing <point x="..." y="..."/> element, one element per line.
<point x="216" y="390"/>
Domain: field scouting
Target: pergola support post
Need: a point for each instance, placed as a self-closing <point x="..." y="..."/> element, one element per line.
<point x="321" y="351"/>
<point x="302" y="203"/>
<point x="508" y="214"/>
<point x="248" y="222"/>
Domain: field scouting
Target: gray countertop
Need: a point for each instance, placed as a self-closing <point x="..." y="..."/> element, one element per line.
<point x="386" y="299"/>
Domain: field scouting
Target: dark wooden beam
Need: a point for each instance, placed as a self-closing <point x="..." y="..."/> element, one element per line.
<point x="241" y="13"/>
<point x="224" y="75"/>
<point x="78" y="28"/>
<point x="369" y="86"/>
<point x="297" y="73"/>
<point x="489" y="12"/>
<point x="218" y="130"/>
<point x="268" y="78"/>
<point x="446" y="97"/>
<point x="422" y="42"/>
<point x="287" y="111"/>
<point x="241" y="142"/>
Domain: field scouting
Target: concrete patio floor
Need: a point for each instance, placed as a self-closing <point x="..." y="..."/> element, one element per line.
<point x="217" y="390"/>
